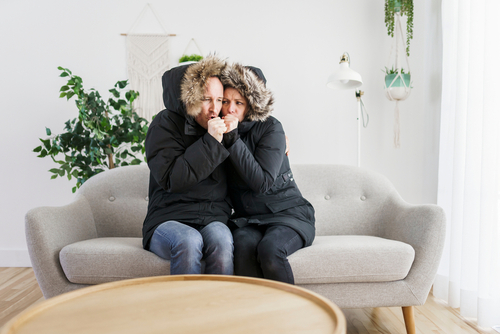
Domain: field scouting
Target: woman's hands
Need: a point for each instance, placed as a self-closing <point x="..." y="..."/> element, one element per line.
<point x="231" y="122"/>
<point x="218" y="126"/>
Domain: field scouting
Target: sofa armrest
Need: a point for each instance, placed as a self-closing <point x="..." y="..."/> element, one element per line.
<point x="424" y="228"/>
<point x="48" y="230"/>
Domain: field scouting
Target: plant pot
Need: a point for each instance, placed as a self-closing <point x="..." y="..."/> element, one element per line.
<point x="397" y="90"/>
<point x="399" y="80"/>
<point x="397" y="6"/>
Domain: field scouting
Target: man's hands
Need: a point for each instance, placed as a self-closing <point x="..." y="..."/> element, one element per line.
<point x="231" y="122"/>
<point x="216" y="128"/>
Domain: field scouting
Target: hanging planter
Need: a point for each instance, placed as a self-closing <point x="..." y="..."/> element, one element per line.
<point x="403" y="8"/>
<point x="397" y="83"/>
<point x="191" y="58"/>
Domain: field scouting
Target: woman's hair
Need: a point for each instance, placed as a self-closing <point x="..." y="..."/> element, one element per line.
<point x="251" y="84"/>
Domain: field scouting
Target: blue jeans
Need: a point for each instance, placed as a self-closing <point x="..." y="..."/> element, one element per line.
<point x="185" y="247"/>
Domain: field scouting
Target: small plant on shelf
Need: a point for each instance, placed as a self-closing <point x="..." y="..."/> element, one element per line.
<point x="105" y="135"/>
<point x="193" y="57"/>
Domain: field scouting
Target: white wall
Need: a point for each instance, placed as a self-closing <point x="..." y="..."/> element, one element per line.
<point x="296" y="43"/>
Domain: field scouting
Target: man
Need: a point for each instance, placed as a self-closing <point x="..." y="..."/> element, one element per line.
<point x="188" y="211"/>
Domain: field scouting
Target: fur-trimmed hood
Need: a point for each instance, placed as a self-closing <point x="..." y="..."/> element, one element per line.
<point x="251" y="83"/>
<point x="195" y="80"/>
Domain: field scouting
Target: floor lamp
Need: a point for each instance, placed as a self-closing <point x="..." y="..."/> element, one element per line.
<point x="345" y="78"/>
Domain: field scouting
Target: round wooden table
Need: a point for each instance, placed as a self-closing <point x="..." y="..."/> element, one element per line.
<point x="183" y="304"/>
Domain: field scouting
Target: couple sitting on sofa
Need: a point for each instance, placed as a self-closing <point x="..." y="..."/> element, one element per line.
<point x="203" y="165"/>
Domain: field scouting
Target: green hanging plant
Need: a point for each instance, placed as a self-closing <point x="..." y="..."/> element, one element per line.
<point x="404" y="7"/>
<point x="104" y="136"/>
<point x="193" y="57"/>
<point x="394" y="71"/>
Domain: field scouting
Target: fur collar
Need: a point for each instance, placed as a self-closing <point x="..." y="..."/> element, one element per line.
<point x="252" y="87"/>
<point x="194" y="83"/>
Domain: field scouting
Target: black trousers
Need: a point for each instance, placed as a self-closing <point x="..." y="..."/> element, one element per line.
<point x="262" y="250"/>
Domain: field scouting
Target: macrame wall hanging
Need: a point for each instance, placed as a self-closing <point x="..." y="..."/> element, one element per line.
<point x="398" y="82"/>
<point x="147" y="60"/>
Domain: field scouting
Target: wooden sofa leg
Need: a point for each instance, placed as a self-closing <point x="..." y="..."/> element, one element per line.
<point x="409" y="319"/>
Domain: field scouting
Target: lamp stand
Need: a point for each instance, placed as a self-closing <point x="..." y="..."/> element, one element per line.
<point x="359" y="93"/>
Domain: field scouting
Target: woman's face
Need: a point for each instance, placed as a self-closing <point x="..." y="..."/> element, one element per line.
<point x="234" y="104"/>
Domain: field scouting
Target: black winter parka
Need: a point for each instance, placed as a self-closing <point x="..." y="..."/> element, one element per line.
<point x="261" y="184"/>
<point x="187" y="179"/>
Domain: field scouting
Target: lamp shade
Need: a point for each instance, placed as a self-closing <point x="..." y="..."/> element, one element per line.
<point x="344" y="78"/>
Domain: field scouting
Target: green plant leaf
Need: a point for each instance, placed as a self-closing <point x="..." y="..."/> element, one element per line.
<point x="121" y="84"/>
<point x="115" y="92"/>
<point x="136" y="162"/>
<point x="73" y="190"/>
<point x="54" y="176"/>
<point x="96" y="133"/>
<point x="42" y="154"/>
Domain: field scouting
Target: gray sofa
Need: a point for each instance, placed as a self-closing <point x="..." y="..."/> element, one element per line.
<point x="371" y="248"/>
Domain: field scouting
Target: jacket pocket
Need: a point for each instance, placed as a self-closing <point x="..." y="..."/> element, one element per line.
<point x="286" y="204"/>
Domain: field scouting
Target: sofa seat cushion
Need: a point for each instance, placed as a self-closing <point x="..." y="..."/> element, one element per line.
<point x="103" y="260"/>
<point x="351" y="258"/>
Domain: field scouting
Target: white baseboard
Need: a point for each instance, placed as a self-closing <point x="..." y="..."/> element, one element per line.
<point x="14" y="258"/>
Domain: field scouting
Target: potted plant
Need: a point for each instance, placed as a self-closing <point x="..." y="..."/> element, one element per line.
<point x="190" y="58"/>
<point x="402" y="7"/>
<point x="392" y="79"/>
<point x="397" y="83"/>
<point x="104" y="136"/>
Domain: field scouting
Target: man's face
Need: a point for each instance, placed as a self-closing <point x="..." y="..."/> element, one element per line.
<point x="212" y="102"/>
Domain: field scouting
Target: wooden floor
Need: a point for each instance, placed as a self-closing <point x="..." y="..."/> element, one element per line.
<point x="19" y="290"/>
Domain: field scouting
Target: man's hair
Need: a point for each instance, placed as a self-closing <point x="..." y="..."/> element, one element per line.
<point x="195" y="82"/>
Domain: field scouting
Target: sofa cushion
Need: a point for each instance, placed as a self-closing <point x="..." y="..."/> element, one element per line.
<point x="351" y="258"/>
<point x="104" y="260"/>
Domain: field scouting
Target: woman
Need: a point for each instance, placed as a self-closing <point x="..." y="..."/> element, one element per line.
<point x="273" y="219"/>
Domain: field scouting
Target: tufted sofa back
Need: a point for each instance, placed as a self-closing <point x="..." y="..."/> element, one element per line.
<point x="347" y="200"/>
<point x="119" y="200"/>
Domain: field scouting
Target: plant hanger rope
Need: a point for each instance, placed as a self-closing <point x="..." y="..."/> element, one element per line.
<point x="399" y="32"/>
<point x="192" y="40"/>
<point x="398" y="90"/>
<point x="139" y="18"/>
